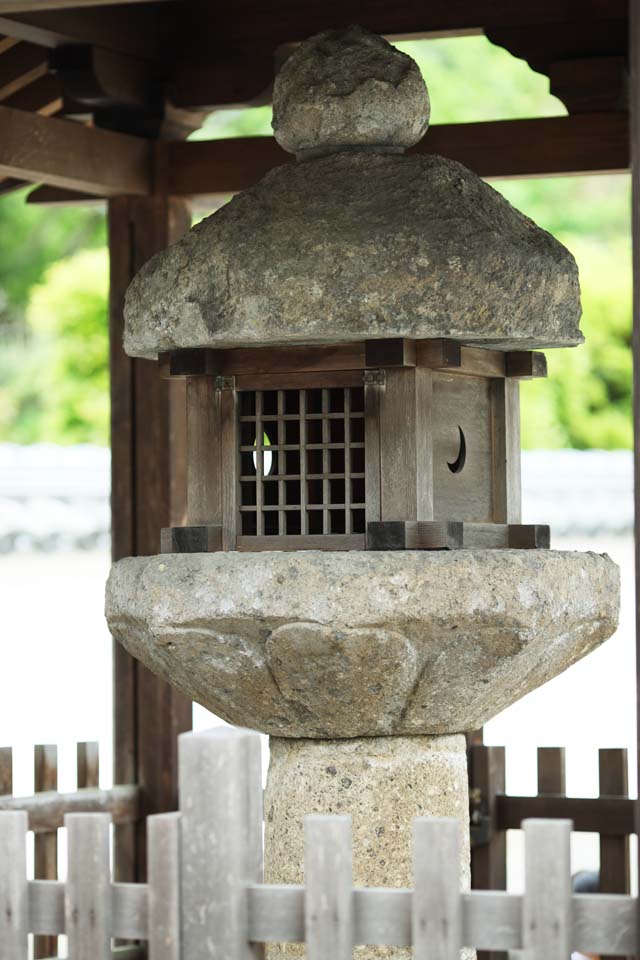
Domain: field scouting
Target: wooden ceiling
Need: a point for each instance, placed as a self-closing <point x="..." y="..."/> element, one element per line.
<point x="151" y="69"/>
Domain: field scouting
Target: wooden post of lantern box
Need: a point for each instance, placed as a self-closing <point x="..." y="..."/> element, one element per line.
<point x="383" y="445"/>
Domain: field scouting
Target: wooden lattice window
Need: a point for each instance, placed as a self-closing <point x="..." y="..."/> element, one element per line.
<point x="274" y="451"/>
<point x="302" y="462"/>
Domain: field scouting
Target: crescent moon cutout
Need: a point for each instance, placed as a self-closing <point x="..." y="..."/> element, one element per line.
<point x="460" y="460"/>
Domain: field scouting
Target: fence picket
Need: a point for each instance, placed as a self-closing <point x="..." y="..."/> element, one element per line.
<point x="87" y="764"/>
<point x="205" y="894"/>
<point x="437" y="904"/>
<point x="6" y="771"/>
<point x="163" y="870"/>
<point x="221" y="807"/>
<point x="547" y="906"/>
<point x="88" y="913"/>
<point x="13" y="887"/>
<point x="45" y="845"/>
<point x="328" y="872"/>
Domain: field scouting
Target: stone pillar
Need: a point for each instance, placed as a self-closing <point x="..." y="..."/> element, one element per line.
<point x="383" y="783"/>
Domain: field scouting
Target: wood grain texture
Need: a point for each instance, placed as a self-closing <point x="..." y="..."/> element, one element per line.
<point x="415" y="535"/>
<point x="437" y="918"/>
<point x="13" y="886"/>
<point x="220" y="804"/>
<point x="229" y="460"/>
<point x="372" y="453"/>
<point x="275" y="360"/>
<point x="309" y="541"/>
<point x="87" y="764"/>
<point x="551" y="771"/>
<point x="203" y="539"/>
<point x="506" y="481"/>
<point x="66" y="154"/>
<point x="407" y="422"/>
<point x="20" y="66"/>
<point x="328" y="871"/>
<point x="148" y="714"/>
<point x="300" y="380"/>
<point x="163" y="846"/>
<point x="613" y="765"/>
<point x="589" y="815"/>
<point x="586" y="143"/>
<point x="525" y="365"/>
<point x="203" y="452"/>
<point x="46" y="811"/>
<point x="87" y="908"/>
<point x="462" y="403"/>
<point x="6" y="771"/>
<point x="487" y="775"/>
<point x="392" y="352"/>
<point x="45" y="846"/>
<point x="546" y="910"/>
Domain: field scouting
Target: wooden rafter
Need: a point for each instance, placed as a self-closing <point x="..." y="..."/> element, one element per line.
<point x="25" y="6"/>
<point x="21" y="65"/>
<point x="67" y="154"/>
<point x="44" y="96"/>
<point x="101" y="163"/>
<point x="593" y="143"/>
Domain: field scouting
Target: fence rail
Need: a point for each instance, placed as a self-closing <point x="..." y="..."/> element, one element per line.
<point x="204" y="896"/>
<point x="46" y="810"/>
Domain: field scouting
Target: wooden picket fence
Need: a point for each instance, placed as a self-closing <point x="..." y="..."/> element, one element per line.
<point x="47" y="808"/>
<point x="205" y="897"/>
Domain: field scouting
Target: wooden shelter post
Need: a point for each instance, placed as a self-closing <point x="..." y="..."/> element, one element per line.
<point x="148" y="713"/>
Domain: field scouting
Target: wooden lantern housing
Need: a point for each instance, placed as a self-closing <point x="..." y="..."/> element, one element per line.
<point x="379" y="445"/>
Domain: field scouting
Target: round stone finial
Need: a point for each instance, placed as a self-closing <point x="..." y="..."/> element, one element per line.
<point x="345" y="89"/>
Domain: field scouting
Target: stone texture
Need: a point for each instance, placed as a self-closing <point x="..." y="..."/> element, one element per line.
<point x="383" y="783"/>
<point x="355" y="246"/>
<point x="323" y="644"/>
<point x="345" y="88"/>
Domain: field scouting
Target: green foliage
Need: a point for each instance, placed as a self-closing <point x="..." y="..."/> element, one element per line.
<point x="58" y="389"/>
<point x="53" y="377"/>
<point x="586" y="401"/>
<point x="31" y="239"/>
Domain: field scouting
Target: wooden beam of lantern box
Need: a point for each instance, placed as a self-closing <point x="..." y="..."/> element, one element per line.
<point x="383" y="445"/>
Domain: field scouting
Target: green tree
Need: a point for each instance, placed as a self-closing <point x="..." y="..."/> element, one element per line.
<point x="53" y="375"/>
<point x="60" y="390"/>
<point x="31" y="239"/>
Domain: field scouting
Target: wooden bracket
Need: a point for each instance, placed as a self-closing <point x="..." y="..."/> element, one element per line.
<point x="525" y="364"/>
<point x="203" y="539"/>
<point x="393" y="352"/>
<point x="190" y="363"/>
<point x="455" y="535"/>
<point x="414" y="535"/>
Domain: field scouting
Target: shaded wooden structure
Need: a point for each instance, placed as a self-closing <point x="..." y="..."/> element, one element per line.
<point x="96" y="101"/>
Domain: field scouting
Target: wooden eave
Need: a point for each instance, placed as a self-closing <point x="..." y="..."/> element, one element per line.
<point x="135" y="54"/>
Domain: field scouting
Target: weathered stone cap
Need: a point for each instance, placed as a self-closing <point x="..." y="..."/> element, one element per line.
<point x="347" y="88"/>
<point x="354" y="246"/>
<point x="357" y="241"/>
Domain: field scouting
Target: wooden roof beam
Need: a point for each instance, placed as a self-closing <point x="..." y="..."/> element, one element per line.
<point x="44" y="96"/>
<point x="21" y="65"/>
<point x="66" y="154"/>
<point x="136" y="30"/>
<point x="551" y="146"/>
<point x="25" y="6"/>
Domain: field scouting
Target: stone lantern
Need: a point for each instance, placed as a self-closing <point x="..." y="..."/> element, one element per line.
<point x="353" y="577"/>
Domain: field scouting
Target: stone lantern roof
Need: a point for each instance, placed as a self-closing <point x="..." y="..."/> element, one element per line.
<point x="356" y="240"/>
